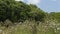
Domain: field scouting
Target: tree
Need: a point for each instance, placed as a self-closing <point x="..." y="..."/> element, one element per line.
<point x="36" y="13"/>
<point x="13" y="10"/>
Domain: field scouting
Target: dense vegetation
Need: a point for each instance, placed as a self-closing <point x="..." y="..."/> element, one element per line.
<point x="55" y="16"/>
<point x="27" y="17"/>
<point x="19" y="11"/>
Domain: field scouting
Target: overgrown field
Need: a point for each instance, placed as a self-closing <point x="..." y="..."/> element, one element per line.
<point x="30" y="27"/>
<point x="17" y="17"/>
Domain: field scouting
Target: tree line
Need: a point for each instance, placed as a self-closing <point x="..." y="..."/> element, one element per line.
<point x="20" y="11"/>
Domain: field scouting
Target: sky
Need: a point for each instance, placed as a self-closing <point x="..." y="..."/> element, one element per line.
<point x="46" y="5"/>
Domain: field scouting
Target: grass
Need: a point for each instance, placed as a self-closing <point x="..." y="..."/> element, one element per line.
<point x="29" y="27"/>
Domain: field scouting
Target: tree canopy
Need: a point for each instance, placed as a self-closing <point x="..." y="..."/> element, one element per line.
<point x="19" y="11"/>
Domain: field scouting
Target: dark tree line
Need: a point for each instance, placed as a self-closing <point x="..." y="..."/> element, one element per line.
<point x="19" y="11"/>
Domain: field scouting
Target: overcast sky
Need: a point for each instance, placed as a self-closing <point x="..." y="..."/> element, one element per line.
<point x="46" y="5"/>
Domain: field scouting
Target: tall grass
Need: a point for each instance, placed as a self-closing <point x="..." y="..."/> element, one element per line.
<point x="30" y="27"/>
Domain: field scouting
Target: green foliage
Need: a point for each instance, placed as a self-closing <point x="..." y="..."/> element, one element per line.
<point x="55" y="16"/>
<point x="13" y="10"/>
<point x="19" y="11"/>
<point x="36" y="13"/>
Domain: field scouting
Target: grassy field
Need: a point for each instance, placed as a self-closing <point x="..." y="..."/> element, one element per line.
<point x="29" y="27"/>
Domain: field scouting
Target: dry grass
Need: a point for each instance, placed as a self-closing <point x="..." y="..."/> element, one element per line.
<point x="29" y="27"/>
